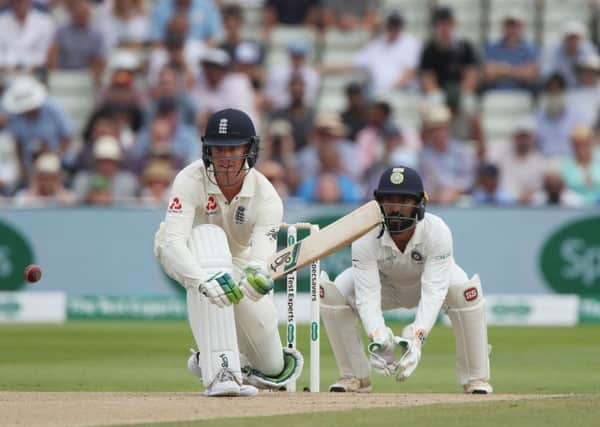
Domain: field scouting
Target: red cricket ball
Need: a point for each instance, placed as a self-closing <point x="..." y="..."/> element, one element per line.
<point x="33" y="273"/>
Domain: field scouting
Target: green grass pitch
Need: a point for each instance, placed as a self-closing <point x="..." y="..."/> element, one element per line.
<point x="151" y="356"/>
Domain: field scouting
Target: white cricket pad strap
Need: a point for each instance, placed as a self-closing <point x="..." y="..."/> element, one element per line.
<point x="213" y="327"/>
<point x="341" y="324"/>
<point x="465" y="307"/>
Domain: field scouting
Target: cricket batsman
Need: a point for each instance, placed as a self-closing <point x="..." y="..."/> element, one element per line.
<point x="220" y="227"/>
<point x="408" y="262"/>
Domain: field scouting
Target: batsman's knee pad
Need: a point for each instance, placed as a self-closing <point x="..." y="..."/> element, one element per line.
<point x="465" y="307"/>
<point x="341" y="323"/>
<point x="213" y="327"/>
<point x="292" y="368"/>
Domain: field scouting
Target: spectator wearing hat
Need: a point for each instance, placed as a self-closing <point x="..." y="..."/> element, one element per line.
<point x="585" y="95"/>
<point x="205" y="19"/>
<point x="219" y="87"/>
<point x="391" y="59"/>
<point x="488" y="189"/>
<point x="555" y="118"/>
<point x="521" y="163"/>
<point x="510" y="63"/>
<point x="36" y="122"/>
<point x="554" y="192"/>
<point x="356" y="113"/>
<point x="298" y="113"/>
<point x="562" y="58"/>
<point x="350" y="15"/>
<point x="25" y="37"/>
<point x="248" y="62"/>
<point x="122" y="88"/>
<point x="46" y="185"/>
<point x="448" y="63"/>
<point x="581" y="171"/>
<point x="106" y="183"/>
<point x="279" y="76"/>
<point x="156" y="182"/>
<point x="446" y="165"/>
<point x="77" y="44"/>
<point x="328" y="137"/>
<point x="123" y="23"/>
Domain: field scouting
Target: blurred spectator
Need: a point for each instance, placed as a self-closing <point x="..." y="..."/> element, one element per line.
<point x="247" y="62"/>
<point x="369" y="141"/>
<point x="585" y="96"/>
<point x="123" y="23"/>
<point x="10" y="172"/>
<point x="488" y="190"/>
<point x="106" y="183"/>
<point x="511" y="62"/>
<point x="286" y="12"/>
<point x="328" y="137"/>
<point x="390" y="59"/>
<point x="168" y="133"/>
<point x="581" y="172"/>
<point x="521" y="164"/>
<point x="36" y="122"/>
<point x="276" y="174"/>
<point x="77" y="45"/>
<point x="555" y="118"/>
<point x="122" y="87"/>
<point x="279" y="76"/>
<point x="554" y="192"/>
<point x="170" y="86"/>
<point x="448" y="63"/>
<point x="103" y="122"/>
<point x="220" y="88"/>
<point x="356" y="113"/>
<point x="447" y="166"/>
<point x="156" y="182"/>
<point x="329" y="188"/>
<point x="45" y="187"/>
<point x="178" y="54"/>
<point x="205" y="19"/>
<point x="300" y="115"/>
<point x="25" y="37"/>
<point x="563" y="57"/>
<point x="349" y="15"/>
<point x="233" y="19"/>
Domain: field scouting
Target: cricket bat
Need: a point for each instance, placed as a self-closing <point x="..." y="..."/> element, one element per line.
<point x="326" y="241"/>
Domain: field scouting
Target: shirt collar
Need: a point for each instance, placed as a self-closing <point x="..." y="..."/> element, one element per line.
<point x="247" y="187"/>
<point x="416" y="239"/>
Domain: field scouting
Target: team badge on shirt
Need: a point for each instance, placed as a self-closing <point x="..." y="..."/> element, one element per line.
<point x="240" y="215"/>
<point x="175" y="205"/>
<point x="211" y="205"/>
<point x="416" y="256"/>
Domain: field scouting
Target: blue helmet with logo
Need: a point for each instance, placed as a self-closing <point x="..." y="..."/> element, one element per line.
<point x="230" y="128"/>
<point x="401" y="181"/>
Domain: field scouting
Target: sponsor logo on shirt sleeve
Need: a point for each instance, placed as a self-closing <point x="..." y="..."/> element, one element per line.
<point x="175" y="206"/>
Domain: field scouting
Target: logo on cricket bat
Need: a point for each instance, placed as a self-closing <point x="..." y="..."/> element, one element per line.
<point x="289" y="258"/>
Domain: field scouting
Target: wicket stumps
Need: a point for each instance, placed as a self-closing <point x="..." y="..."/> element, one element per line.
<point x="291" y="281"/>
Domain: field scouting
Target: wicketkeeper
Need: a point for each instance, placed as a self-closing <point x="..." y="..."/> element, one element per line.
<point x="408" y="262"/>
<point x="221" y="226"/>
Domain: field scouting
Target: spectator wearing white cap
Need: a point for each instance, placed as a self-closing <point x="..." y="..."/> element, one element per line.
<point x="219" y="87"/>
<point x="279" y="76"/>
<point x="521" y="163"/>
<point x="510" y="63"/>
<point x="585" y="95"/>
<point x="25" y="37"/>
<point x="156" y="182"/>
<point x="46" y="185"/>
<point x="106" y="181"/>
<point x="123" y="23"/>
<point x="447" y="166"/>
<point x="36" y="122"/>
<point x="567" y="52"/>
<point x="122" y="87"/>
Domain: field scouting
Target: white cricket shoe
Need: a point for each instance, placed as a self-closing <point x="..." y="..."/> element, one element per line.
<point x="350" y="384"/>
<point x="224" y="384"/>
<point x="478" y="387"/>
<point x="193" y="364"/>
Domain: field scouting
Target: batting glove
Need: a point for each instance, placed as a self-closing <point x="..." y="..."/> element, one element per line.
<point x="221" y="290"/>
<point x="255" y="282"/>
<point x="381" y="351"/>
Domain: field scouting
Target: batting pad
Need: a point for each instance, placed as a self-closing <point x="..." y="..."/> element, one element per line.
<point x="341" y="323"/>
<point x="213" y="327"/>
<point x="465" y="307"/>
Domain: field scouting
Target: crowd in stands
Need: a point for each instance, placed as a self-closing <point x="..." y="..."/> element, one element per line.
<point x="156" y="69"/>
